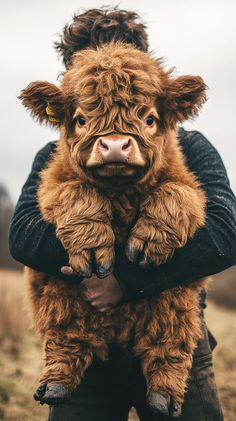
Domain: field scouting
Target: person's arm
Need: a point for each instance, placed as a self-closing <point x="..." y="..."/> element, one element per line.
<point x="32" y="241"/>
<point x="213" y="247"/>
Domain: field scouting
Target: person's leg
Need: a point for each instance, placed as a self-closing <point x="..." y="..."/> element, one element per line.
<point x="88" y="406"/>
<point x="201" y="400"/>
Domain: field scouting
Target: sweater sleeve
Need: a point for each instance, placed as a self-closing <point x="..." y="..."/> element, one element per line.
<point x="32" y="240"/>
<point x="211" y="250"/>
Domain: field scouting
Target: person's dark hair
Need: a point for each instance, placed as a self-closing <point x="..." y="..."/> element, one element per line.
<point x="98" y="26"/>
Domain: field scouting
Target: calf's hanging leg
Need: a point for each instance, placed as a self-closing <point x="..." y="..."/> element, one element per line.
<point x="166" y="349"/>
<point x="59" y="314"/>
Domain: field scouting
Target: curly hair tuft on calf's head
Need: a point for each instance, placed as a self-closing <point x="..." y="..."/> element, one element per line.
<point x="99" y="26"/>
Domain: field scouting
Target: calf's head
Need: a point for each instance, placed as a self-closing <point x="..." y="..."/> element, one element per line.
<point x="116" y="107"/>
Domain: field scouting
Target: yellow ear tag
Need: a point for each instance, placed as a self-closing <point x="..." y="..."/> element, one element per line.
<point x="51" y="114"/>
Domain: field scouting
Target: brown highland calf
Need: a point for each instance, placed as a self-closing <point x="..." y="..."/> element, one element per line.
<point x="118" y="175"/>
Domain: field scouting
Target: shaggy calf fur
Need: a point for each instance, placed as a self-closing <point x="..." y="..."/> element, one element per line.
<point x="118" y="175"/>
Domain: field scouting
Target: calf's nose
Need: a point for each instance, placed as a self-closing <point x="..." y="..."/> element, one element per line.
<point x="115" y="150"/>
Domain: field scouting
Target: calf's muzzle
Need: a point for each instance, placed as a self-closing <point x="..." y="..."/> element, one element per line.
<point x="115" y="149"/>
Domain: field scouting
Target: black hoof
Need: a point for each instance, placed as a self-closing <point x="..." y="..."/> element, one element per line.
<point x="40" y="392"/>
<point x="158" y="403"/>
<point x="175" y="409"/>
<point x="103" y="271"/>
<point x="86" y="271"/>
<point x="53" y="394"/>
<point x="166" y="406"/>
<point x="132" y="254"/>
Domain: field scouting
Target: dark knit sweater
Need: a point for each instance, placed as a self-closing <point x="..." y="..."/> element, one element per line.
<point x="33" y="241"/>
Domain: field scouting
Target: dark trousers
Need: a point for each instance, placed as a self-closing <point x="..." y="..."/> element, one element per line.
<point x="109" y="390"/>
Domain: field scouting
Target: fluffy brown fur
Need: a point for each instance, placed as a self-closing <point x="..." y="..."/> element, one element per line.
<point x="153" y="203"/>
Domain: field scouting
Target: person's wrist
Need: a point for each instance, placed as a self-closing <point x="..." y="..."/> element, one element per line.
<point x="122" y="287"/>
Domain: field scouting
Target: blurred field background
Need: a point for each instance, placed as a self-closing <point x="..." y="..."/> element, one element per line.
<point x="20" y="350"/>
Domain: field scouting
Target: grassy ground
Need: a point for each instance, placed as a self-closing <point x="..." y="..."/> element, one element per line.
<point x="222" y="323"/>
<point x="20" y="355"/>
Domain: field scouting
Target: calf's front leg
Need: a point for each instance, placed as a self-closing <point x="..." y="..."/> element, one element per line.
<point x="82" y="216"/>
<point x="168" y="218"/>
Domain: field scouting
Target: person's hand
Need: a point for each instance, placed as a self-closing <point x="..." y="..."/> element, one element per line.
<point x="102" y="294"/>
<point x="67" y="270"/>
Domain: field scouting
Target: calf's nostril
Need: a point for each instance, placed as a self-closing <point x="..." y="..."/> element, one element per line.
<point x="104" y="145"/>
<point x="126" y="145"/>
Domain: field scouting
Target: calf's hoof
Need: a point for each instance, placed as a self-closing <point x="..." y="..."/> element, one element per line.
<point x="175" y="409"/>
<point x="160" y="404"/>
<point x="52" y="393"/>
<point x="103" y="271"/>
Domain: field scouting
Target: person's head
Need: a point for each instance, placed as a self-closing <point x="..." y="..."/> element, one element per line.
<point x="99" y="26"/>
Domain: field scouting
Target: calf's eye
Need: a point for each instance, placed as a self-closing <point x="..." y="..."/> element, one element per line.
<point x="81" y="121"/>
<point x="149" y="120"/>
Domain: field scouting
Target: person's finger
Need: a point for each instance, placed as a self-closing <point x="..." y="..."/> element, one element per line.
<point x="67" y="270"/>
<point x="92" y="282"/>
<point x="99" y="306"/>
<point x="99" y="303"/>
<point x="102" y="309"/>
<point x="89" y="295"/>
<point x="95" y="303"/>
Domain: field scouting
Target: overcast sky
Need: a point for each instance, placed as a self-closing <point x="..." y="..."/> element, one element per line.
<point x="197" y="37"/>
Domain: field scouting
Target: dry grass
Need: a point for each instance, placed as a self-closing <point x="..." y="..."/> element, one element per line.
<point x="222" y="291"/>
<point x="12" y="321"/>
<point x="20" y="355"/>
<point x="222" y="323"/>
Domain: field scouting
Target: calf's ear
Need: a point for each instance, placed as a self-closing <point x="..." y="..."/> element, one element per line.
<point x="45" y="101"/>
<point x="184" y="96"/>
